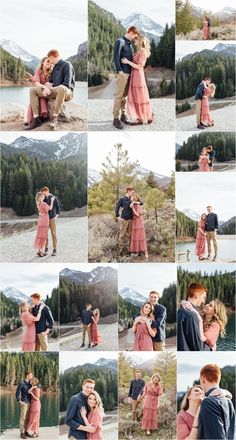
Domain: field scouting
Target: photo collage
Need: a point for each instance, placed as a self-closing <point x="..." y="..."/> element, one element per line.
<point x="118" y="238"/>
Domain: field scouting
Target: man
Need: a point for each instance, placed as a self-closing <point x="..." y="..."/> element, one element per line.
<point x="198" y="99"/>
<point x="61" y="89"/>
<point x="160" y="322"/>
<point x="44" y="325"/>
<point x="122" y="49"/>
<point x="53" y="213"/>
<point x="24" y="398"/>
<point x="188" y="329"/>
<point x="73" y="417"/>
<point x="135" y="392"/>
<point x="125" y="204"/>
<point x="211" y="229"/>
<point x="87" y="319"/>
<point x="217" y="415"/>
<point x="209" y="27"/>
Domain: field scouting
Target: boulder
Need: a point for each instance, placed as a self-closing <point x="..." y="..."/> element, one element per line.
<point x="69" y="111"/>
<point x="12" y="113"/>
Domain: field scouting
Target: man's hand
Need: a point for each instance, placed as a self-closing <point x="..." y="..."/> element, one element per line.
<point x="22" y="403"/>
<point x="120" y="220"/>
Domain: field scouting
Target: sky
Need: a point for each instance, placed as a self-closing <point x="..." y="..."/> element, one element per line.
<point x="161" y="11"/>
<point x="196" y="191"/>
<point x="10" y="136"/>
<point x="40" y="26"/>
<point x="30" y="278"/>
<point x="154" y="151"/>
<point x="189" y="366"/>
<point x="86" y="267"/>
<point x="208" y="267"/>
<point x="188" y="47"/>
<point x="213" y="5"/>
<point x="144" y="278"/>
<point x="70" y="359"/>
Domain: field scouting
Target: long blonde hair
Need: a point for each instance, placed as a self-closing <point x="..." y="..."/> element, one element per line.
<point x="144" y="45"/>
<point x="156" y="375"/>
<point x="98" y="399"/>
<point x="40" y="66"/>
<point x="219" y="316"/>
<point x="185" y="402"/>
<point x="34" y="381"/>
<point x="151" y="311"/>
<point x="38" y="196"/>
<point x="97" y="312"/>
<point x="22" y="308"/>
<point x="213" y="88"/>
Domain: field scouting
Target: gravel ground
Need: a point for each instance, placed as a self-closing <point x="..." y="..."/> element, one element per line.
<point x="224" y="120"/>
<point x="72" y="236"/>
<point x="45" y="433"/>
<point x="100" y="116"/>
<point x="110" y="432"/>
<point x="109" y="335"/>
<point x="126" y="341"/>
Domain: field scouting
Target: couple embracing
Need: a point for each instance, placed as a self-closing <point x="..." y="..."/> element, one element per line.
<point x="206" y="234"/>
<point x="132" y="236"/>
<point x="28" y="396"/>
<point x="205" y="90"/>
<point x="132" y="104"/>
<point x="37" y="321"/>
<point x="200" y="327"/>
<point x="54" y="79"/>
<point x="84" y="414"/>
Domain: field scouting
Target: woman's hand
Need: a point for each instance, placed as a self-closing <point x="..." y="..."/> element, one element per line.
<point x="83" y="412"/>
<point x="186" y="304"/>
<point x="124" y="61"/>
<point x="91" y="429"/>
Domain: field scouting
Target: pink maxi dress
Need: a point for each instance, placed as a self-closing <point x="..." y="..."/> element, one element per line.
<point x="138" y="241"/>
<point x="200" y="249"/>
<point x="95" y="418"/>
<point x="43" y="107"/>
<point x="142" y="338"/>
<point x="205" y="30"/>
<point x="138" y="102"/>
<point x="212" y="334"/>
<point x="204" y="164"/>
<point x="29" y="334"/>
<point x="95" y="336"/>
<point x="34" y="413"/>
<point x="151" y="394"/>
<point x="205" y="112"/>
<point x="42" y="227"/>
<point x="184" y="425"/>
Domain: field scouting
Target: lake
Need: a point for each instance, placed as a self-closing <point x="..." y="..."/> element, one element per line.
<point x="226" y="250"/>
<point x="10" y="410"/>
<point x="228" y="342"/>
<point x="20" y="95"/>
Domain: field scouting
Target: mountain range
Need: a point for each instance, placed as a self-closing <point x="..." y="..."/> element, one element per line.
<point x="221" y="48"/>
<point x="68" y="146"/>
<point x="94" y="177"/>
<point x="132" y="296"/>
<point x="15" y="294"/>
<point x="138" y="362"/>
<point x="97" y="275"/>
<point x="223" y="225"/>
<point x="146" y="25"/>
<point x="110" y="364"/>
<point x="226" y="13"/>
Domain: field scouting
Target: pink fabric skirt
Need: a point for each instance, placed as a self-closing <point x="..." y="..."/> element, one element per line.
<point x="138" y="241"/>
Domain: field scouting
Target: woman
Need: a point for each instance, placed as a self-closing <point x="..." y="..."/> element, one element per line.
<point x="138" y="102"/>
<point x="206" y="118"/>
<point x="152" y="391"/>
<point x="143" y="328"/>
<point x="94" y="417"/>
<point x="204" y="160"/>
<point x="213" y="323"/>
<point x="34" y="409"/>
<point x="28" y="320"/>
<point x="187" y="419"/>
<point x="95" y="336"/>
<point x="138" y="243"/>
<point x="205" y="29"/>
<point x="200" y="248"/>
<point x="40" y="78"/>
<point x="43" y="223"/>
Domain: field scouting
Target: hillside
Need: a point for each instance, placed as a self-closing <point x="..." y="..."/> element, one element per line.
<point x="79" y="62"/>
<point x="185" y="226"/>
<point x="11" y="68"/>
<point x="229" y="227"/>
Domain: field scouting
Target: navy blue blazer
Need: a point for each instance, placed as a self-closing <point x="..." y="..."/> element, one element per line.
<point x="160" y="323"/>
<point x="188" y="332"/>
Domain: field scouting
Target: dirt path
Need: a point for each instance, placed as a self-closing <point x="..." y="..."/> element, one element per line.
<point x="72" y="236"/>
<point x="100" y="115"/>
<point x="126" y="341"/>
<point x="109" y="335"/>
<point x="45" y="433"/>
<point x="224" y="120"/>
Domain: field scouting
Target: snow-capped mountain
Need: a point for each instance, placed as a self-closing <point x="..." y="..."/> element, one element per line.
<point x="69" y="145"/>
<point x="196" y="11"/>
<point x="97" y="275"/>
<point x="14" y="49"/>
<point x="226" y="13"/>
<point x="131" y="296"/>
<point x="81" y="53"/>
<point x="107" y="363"/>
<point x="226" y="49"/>
<point x="15" y="294"/>
<point x="191" y="214"/>
<point x="94" y="176"/>
<point x="146" y="25"/>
